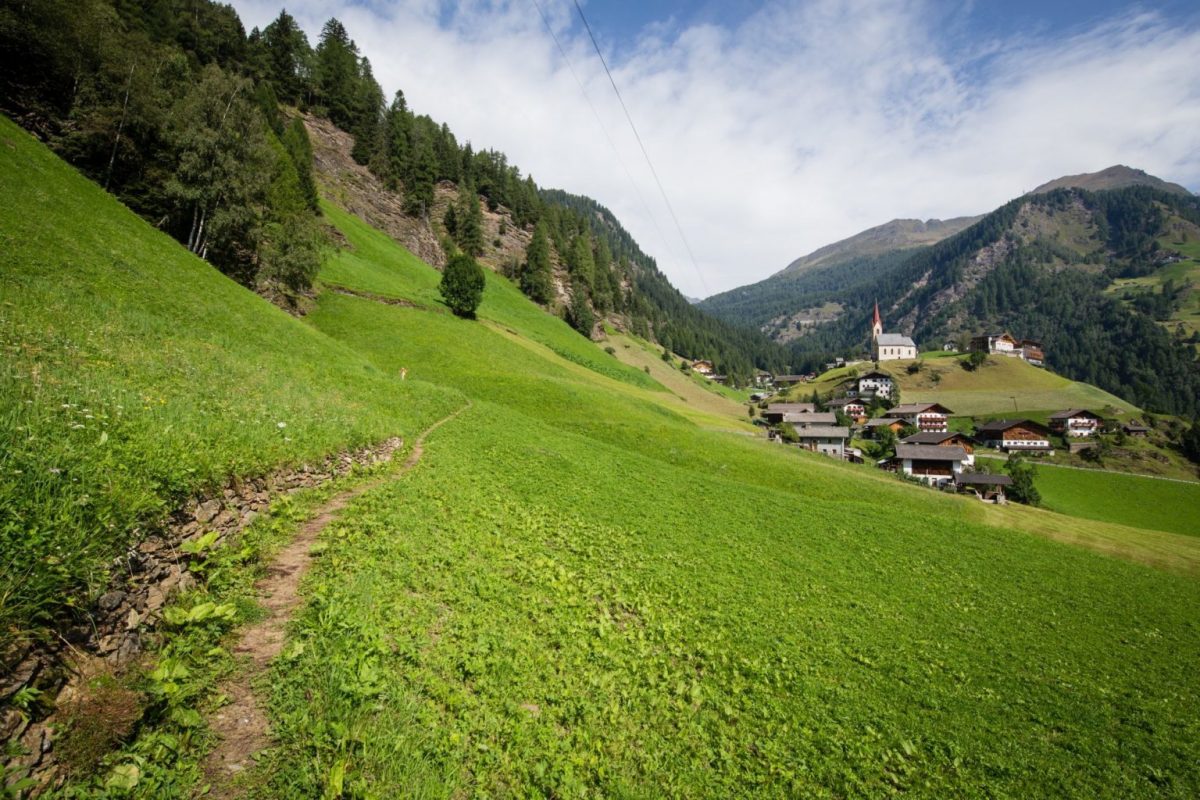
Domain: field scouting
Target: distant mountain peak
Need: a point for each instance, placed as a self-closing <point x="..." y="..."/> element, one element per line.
<point x="1117" y="176"/>
<point x="899" y="234"/>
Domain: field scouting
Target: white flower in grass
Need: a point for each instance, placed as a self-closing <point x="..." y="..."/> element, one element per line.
<point x="281" y="425"/>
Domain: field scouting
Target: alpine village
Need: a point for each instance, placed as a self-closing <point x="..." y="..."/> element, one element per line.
<point x="341" y="458"/>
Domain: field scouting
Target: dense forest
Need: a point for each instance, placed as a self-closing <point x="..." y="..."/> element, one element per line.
<point x="173" y="107"/>
<point x="1040" y="289"/>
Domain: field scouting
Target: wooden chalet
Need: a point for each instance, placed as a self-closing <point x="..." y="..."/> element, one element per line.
<point x="1076" y="422"/>
<point x="1019" y="435"/>
<point x="1031" y="351"/>
<point x="1004" y="344"/>
<point x="944" y="439"/>
<point x="872" y="426"/>
<point x="923" y="416"/>
<point x="931" y="463"/>
<point x="703" y="366"/>
<point x="851" y="407"/>
<point x="1135" y="428"/>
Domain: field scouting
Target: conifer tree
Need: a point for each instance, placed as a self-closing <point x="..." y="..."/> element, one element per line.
<point x="462" y="285"/>
<point x="288" y="58"/>
<point x="536" y="275"/>
<point x="469" y="221"/>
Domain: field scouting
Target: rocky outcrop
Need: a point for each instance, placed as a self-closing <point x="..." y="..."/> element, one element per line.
<point x="121" y="623"/>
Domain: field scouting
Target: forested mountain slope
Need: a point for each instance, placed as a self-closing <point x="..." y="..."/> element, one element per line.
<point x="171" y="106"/>
<point x="1042" y="266"/>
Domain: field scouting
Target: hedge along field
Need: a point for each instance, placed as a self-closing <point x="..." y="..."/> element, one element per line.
<point x="134" y="374"/>
<point x="535" y="612"/>
<point x="1126" y="499"/>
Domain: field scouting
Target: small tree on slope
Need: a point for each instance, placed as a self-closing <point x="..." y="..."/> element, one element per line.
<point x="462" y="285"/>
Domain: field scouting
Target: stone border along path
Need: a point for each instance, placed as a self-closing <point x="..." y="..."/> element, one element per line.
<point x="241" y="726"/>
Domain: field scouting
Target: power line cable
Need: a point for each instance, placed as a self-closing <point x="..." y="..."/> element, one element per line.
<point x="600" y="123"/>
<point x="642" y="145"/>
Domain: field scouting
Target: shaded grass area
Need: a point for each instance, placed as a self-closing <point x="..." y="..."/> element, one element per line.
<point x="134" y="375"/>
<point x="1124" y="499"/>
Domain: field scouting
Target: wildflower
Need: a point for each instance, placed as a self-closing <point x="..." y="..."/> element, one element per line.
<point x="55" y="471"/>
<point x="281" y="425"/>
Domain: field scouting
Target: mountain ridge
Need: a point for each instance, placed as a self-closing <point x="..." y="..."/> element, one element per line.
<point x="1117" y="176"/>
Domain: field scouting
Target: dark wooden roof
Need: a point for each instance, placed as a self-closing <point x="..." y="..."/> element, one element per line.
<point x="1001" y="425"/>
<point x="930" y="437"/>
<point x="930" y="452"/>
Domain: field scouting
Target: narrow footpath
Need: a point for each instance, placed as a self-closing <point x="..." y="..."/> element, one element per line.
<point x="241" y="726"/>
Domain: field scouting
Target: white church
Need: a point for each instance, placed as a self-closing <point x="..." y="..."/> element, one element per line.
<point x="890" y="346"/>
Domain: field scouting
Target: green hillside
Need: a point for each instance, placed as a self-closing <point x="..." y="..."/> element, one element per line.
<point x="1125" y="499"/>
<point x="990" y="389"/>
<point x="579" y="591"/>
<point x="134" y="374"/>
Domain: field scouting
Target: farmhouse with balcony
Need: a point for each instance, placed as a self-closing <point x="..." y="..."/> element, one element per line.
<point x="875" y="384"/>
<point x="1031" y="351"/>
<point x="890" y="346"/>
<point x="850" y="407"/>
<point x="1076" y="422"/>
<point x="829" y="440"/>
<point x="947" y="439"/>
<point x="703" y="367"/>
<point x="931" y="463"/>
<point x="1014" y="435"/>
<point x="923" y="416"/>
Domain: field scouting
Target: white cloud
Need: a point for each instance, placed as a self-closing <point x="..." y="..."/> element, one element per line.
<point x="806" y="123"/>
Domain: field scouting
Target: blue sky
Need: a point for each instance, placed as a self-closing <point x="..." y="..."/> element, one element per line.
<point x="780" y="126"/>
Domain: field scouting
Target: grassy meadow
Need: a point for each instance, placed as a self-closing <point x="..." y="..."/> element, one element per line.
<point x="133" y="375"/>
<point x="1133" y="500"/>
<point x="589" y="586"/>
<point x="579" y="592"/>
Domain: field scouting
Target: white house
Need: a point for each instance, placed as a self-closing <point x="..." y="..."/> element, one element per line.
<point x="828" y="440"/>
<point x="1076" y="422"/>
<point x="875" y="384"/>
<point x="931" y="463"/>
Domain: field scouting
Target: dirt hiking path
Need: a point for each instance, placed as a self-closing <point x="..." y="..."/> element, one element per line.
<point x="241" y="725"/>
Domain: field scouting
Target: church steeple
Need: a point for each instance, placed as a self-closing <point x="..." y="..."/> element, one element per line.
<point x="876" y="323"/>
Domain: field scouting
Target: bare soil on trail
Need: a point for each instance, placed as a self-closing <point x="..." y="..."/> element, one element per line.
<point x="241" y="725"/>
